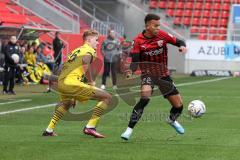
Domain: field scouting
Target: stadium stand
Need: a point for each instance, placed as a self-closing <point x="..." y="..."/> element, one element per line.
<point x="13" y="15"/>
<point x="205" y="19"/>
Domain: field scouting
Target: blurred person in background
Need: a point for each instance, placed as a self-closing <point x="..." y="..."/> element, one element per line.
<point x="31" y="61"/>
<point x="1" y="62"/>
<point x="20" y="68"/>
<point x="44" y="59"/>
<point x="57" y="47"/>
<point x="126" y="47"/>
<point x="35" y="46"/>
<point x="111" y="50"/>
<point x="30" y="56"/>
<point x="10" y="66"/>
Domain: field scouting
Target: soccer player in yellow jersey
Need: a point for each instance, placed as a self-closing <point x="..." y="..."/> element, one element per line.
<point x="71" y="86"/>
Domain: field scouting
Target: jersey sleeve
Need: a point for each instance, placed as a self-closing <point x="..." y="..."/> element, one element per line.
<point x="169" y="37"/>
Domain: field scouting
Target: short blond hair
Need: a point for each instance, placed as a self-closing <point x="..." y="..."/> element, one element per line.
<point x="90" y="32"/>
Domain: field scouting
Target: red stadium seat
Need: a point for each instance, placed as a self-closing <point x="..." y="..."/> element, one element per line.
<point x="214" y="22"/>
<point x="170" y="12"/>
<point x="5" y="1"/>
<point x="194" y="29"/>
<point x="187" y="13"/>
<point x="223" y="22"/>
<point x="213" y="30"/>
<point x="207" y="6"/>
<point x="195" y="22"/>
<point x="177" y="21"/>
<point x="202" y="37"/>
<point x="171" y="4"/>
<point x="222" y="37"/>
<point x="180" y="5"/>
<point x="216" y="6"/>
<point x="215" y="14"/>
<point x="227" y="1"/>
<point x="213" y="37"/>
<point x="204" y="21"/>
<point x="162" y="5"/>
<point x="13" y="18"/>
<point x="197" y="13"/>
<point x="203" y="30"/>
<point x="198" y="5"/>
<point x="206" y="13"/>
<point x="222" y="30"/>
<point x="186" y="21"/>
<point x="3" y="5"/>
<point x="178" y="13"/>
<point x="4" y="9"/>
<point x="153" y="4"/>
<point x="225" y="6"/>
<point x="189" y="5"/>
<point x="224" y="14"/>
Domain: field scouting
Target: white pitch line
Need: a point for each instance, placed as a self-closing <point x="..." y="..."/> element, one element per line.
<point x="27" y="109"/>
<point x="53" y="104"/>
<point x="204" y="81"/>
<point x="186" y="84"/>
<point x="21" y="100"/>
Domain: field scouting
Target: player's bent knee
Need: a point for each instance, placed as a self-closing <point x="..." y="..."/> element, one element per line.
<point x="108" y="98"/>
<point x="67" y="104"/>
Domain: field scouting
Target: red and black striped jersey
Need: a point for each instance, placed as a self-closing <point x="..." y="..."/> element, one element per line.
<point x="153" y="52"/>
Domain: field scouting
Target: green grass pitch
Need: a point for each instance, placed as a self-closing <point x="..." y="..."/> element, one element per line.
<point x="214" y="136"/>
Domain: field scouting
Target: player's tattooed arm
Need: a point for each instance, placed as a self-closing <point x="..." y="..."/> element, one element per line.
<point x="87" y="60"/>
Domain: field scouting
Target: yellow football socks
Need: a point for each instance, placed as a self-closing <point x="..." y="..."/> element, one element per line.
<point x="97" y="112"/>
<point x="56" y="117"/>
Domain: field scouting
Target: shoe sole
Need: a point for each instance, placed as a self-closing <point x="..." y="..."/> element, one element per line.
<point x="124" y="138"/>
<point x="89" y="134"/>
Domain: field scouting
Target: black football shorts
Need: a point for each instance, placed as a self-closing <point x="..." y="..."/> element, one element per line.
<point x="165" y="84"/>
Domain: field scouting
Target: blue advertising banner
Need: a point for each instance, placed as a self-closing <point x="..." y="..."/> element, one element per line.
<point x="232" y="52"/>
<point x="236" y="14"/>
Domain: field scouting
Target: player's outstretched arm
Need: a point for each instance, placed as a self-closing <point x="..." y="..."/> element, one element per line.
<point x="134" y="63"/>
<point x="133" y="66"/>
<point x="182" y="45"/>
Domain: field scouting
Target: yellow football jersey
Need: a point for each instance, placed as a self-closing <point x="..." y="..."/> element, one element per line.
<point x="30" y="58"/>
<point x="73" y="67"/>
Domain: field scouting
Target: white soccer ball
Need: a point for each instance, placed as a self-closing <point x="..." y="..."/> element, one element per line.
<point x="196" y="108"/>
<point x="15" y="58"/>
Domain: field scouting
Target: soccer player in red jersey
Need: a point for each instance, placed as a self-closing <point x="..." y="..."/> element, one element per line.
<point x="150" y="54"/>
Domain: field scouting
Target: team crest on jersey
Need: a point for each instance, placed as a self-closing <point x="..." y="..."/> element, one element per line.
<point x="160" y="43"/>
<point x="133" y="43"/>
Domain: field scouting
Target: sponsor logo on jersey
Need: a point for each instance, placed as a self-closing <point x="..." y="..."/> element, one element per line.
<point x="154" y="52"/>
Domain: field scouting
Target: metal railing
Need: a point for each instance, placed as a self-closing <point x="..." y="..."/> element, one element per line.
<point x="104" y="27"/>
<point x="75" y="7"/>
<point x="104" y="21"/>
<point x="63" y="9"/>
<point x="97" y="12"/>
